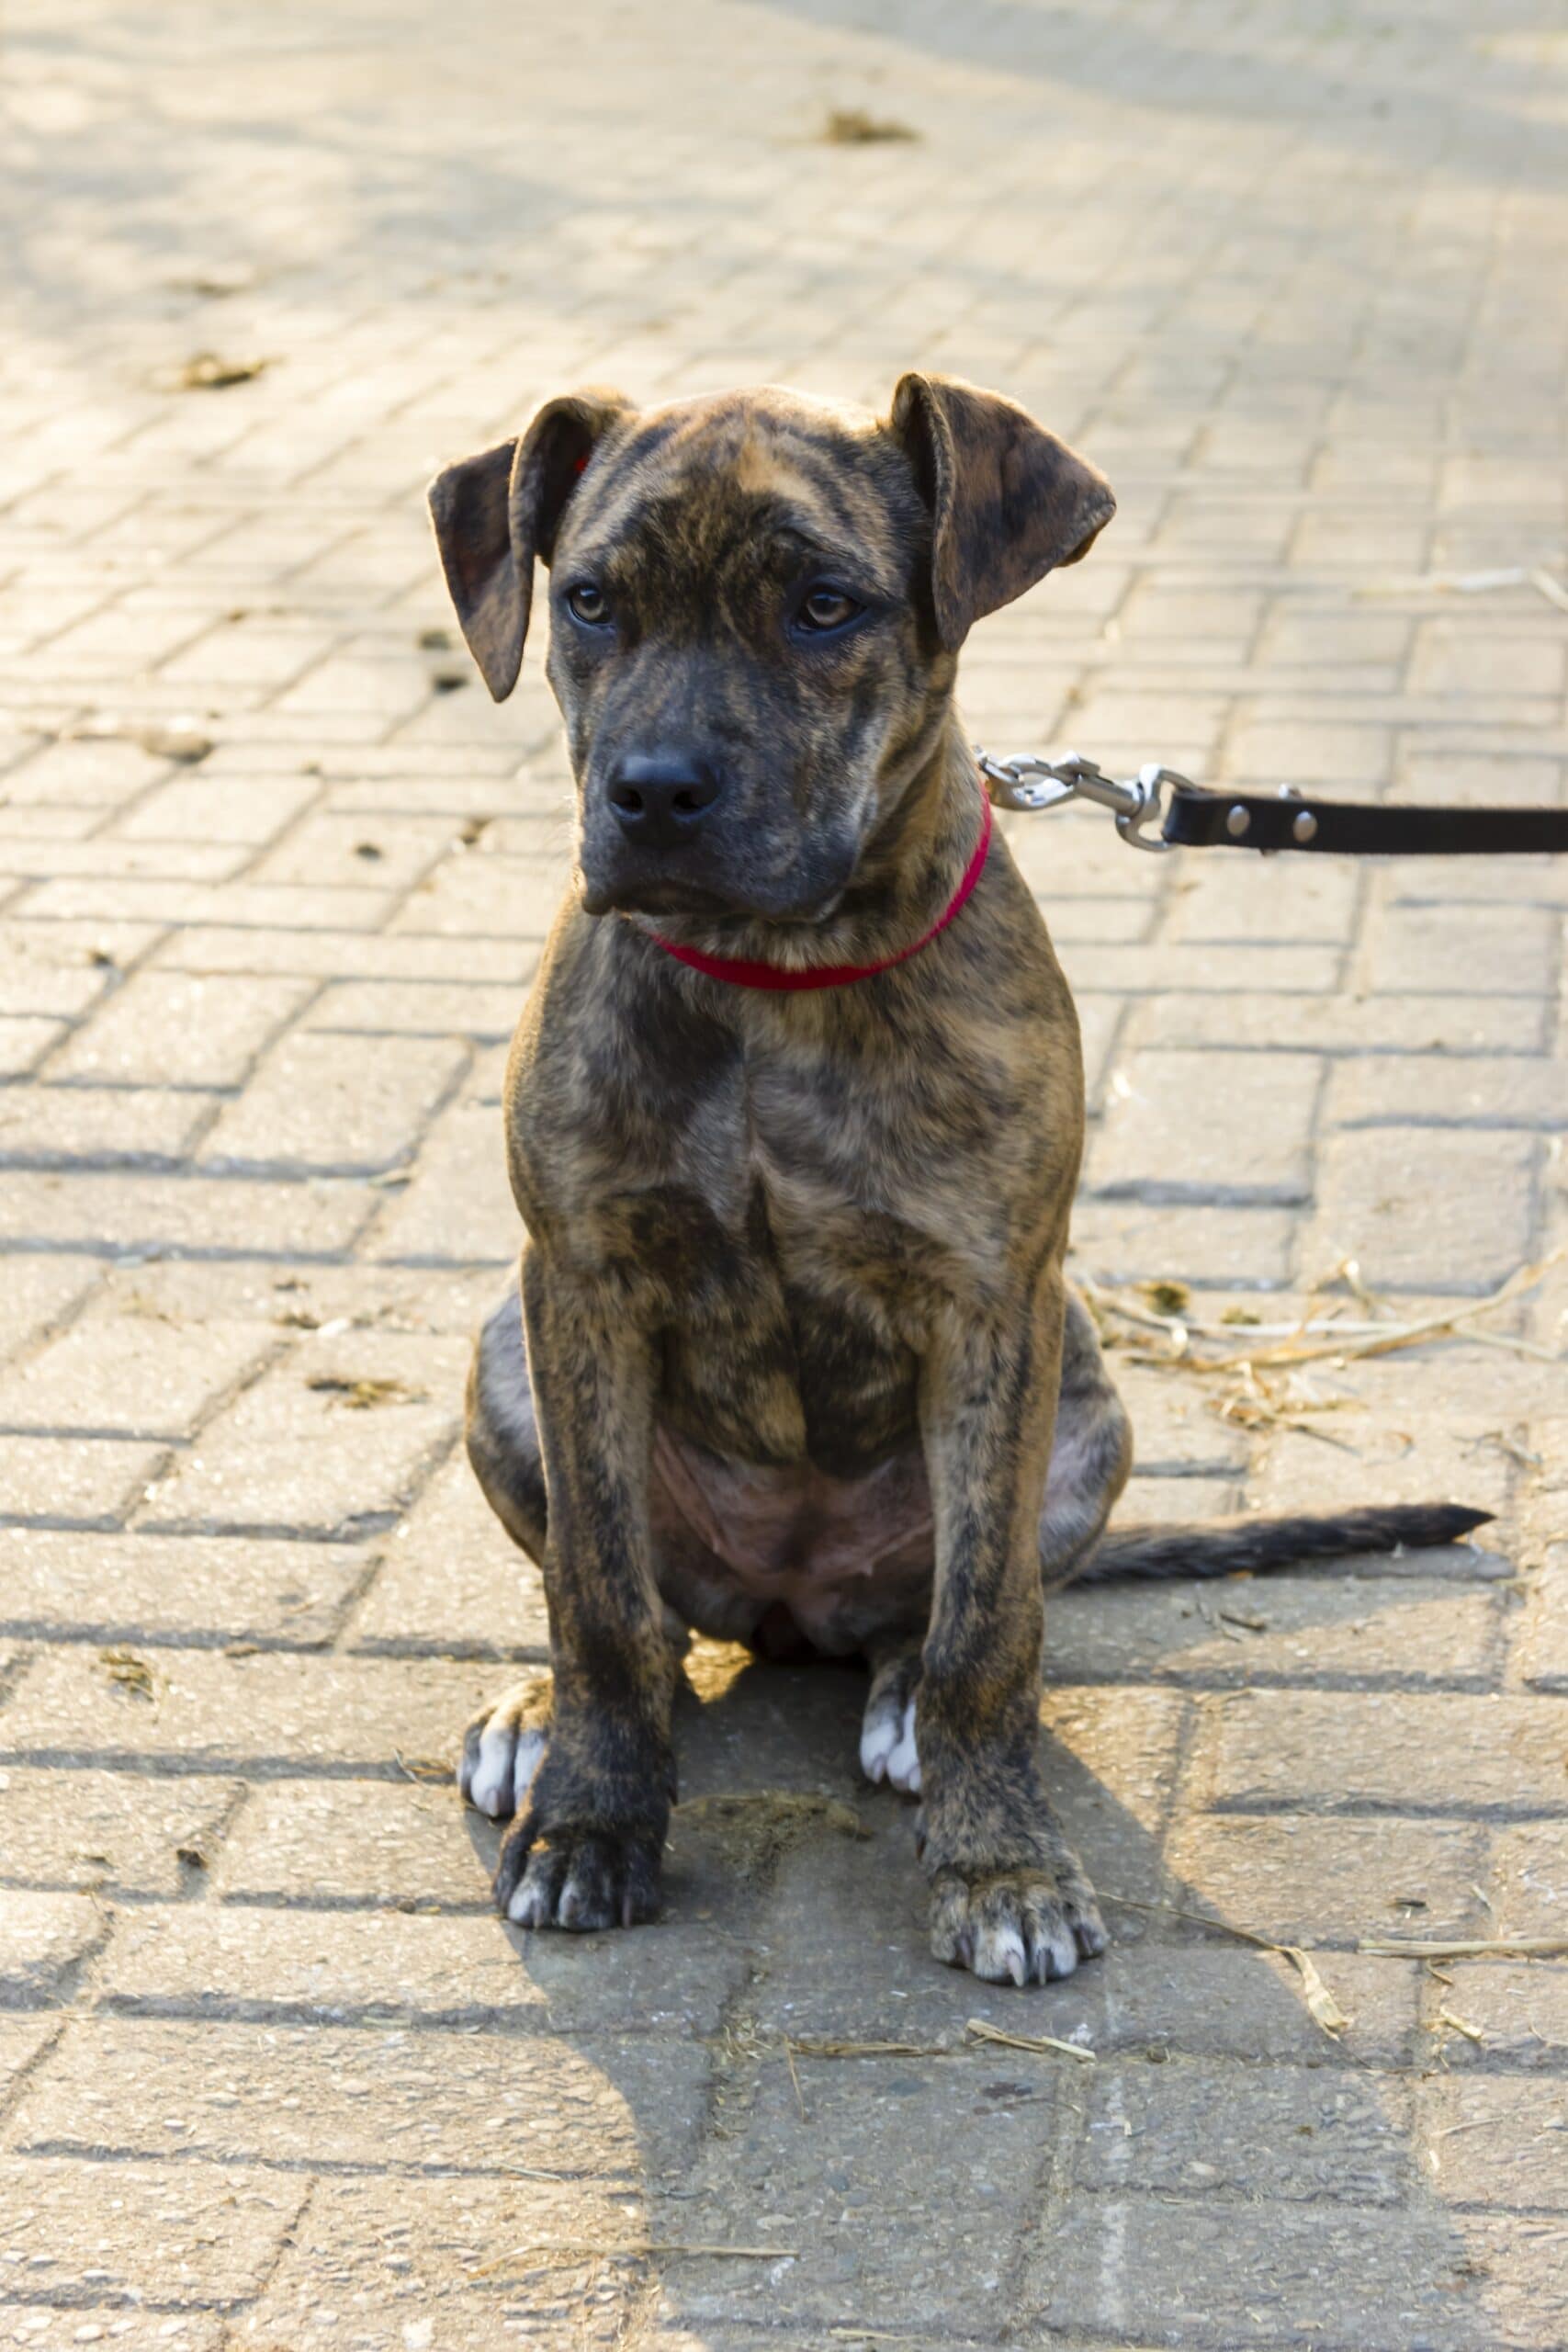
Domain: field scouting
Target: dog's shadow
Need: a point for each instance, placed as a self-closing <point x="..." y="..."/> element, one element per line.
<point x="811" y="2094"/>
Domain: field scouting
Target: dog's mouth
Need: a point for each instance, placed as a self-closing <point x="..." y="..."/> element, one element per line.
<point x="652" y="896"/>
<point x="813" y="899"/>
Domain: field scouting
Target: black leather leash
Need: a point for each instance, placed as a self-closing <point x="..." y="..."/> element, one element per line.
<point x="1201" y="820"/>
<point x="1198" y="818"/>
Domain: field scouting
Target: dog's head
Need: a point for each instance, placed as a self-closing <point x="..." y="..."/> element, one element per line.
<point x="756" y="603"/>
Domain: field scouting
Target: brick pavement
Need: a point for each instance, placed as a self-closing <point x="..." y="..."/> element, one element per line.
<point x="272" y="2075"/>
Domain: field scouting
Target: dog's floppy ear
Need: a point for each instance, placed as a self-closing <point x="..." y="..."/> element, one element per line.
<point x="1009" y="502"/>
<point x="495" y="512"/>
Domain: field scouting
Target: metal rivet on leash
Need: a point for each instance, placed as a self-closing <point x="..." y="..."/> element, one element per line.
<point x="1304" y="826"/>
<point x="1238" y="822"/>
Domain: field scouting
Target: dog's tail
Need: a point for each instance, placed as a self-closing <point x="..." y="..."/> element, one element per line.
<point x="1223" y="1547"/>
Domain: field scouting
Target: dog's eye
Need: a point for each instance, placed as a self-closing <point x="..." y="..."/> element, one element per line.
<point x="586" y="603"/>
<point x="828" y="608"/>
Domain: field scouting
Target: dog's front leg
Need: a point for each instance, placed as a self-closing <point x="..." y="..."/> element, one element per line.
<point x="585" y="1849"/>
<point x="1009" y="1896"/>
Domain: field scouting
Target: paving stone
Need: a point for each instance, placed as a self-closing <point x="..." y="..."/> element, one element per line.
<point x="84" y="897"/>
<point x="307" y="1296"/>
<point x="850" y="2186"/>
<point x="100" y="1124"/>
<point x="85" y="1482"/>
<point x="26" y="2324"/>
<point x="1298" y="1878"/>
<point x="132" y="1374"/>
<point x="321" y="953"/>
<point x="1174" y="1428"/>
<point x="85" y="772"/>
<point x="1518" y="2008"/>
<point x="1350" y="1024"/>
<point x="168" y="1029"/>
<point x="1377" y="1631"/>
<point x="1223" y="1127"/>
<point x="470" y="2262"/>
<point x="186" y="1588"/>
<point x="1396" y="1752"/>
<point x="25" y="1039"/>
<point x="1297" y="2131"/>
<point x="1530" y="1883"/>
<point x="117" y="1214"/>
<point x="213" y="805"/>
<point x="106" y="860"/>
<point x="1491" y="2140"/>
<point x="1164" y="1502"/>
<point x="336" y="1103"/>
<point x="336" y="1966"/>
<point x="458" y="1208"/>
<point x="1444" y="1089"/>
<point x="168" y="2237"/>
<point x="487" y="1014"/>
<point x="327" y="1966"/>
<point x="1125" y="1241"/>
<point x="353" y="1842"/>
<point x="22" y="2041"/>
<point x="271" y="1710"/>
<point x="40" y="1292"/>
<point x="43" y="1941"/>
<point x="124" y="1832"/>
<point x="1378" y="1204"/>
<point x="471" y="897"/>
<point x="385" y="852"/>
<point x="451" y="1580"/>
<point x="1501" y="951"/>
<point x="1307" y="899"/>
<point x="64" y="967"/>
<point x="1204" y="969"/>
<point x="332" y="1441"/>
<point x="1543" y="1648"/>
<point x="1244" y="2272"/>
<point x="369" y="2099"/>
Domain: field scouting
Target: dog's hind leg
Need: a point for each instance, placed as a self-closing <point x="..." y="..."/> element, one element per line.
<point x="1091" y="1451"/>
<point x="503" y="1745"/>
<point x="501" y="1433"/>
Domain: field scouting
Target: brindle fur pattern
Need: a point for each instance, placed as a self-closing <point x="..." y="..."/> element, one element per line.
<point x="810" y="1243"/>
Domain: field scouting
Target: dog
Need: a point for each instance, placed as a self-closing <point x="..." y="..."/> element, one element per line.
<point x="794" y="1118"/>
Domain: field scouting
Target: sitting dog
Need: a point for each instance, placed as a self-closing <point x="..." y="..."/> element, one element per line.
<point x="794" y="1118"/>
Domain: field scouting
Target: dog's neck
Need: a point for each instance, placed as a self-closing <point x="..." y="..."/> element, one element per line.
<point x="914" y="863"/>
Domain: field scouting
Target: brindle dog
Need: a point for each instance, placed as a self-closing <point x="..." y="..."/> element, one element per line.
<point x="791" y="1359"/>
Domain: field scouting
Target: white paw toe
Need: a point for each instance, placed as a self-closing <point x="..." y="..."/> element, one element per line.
<point x="529" y="1907"/>
<point x="1062" y="1951"/>
<point x="524" y="1764"/>
<point x="878" y="1739"/>
<point x="490" y="1788"/>
<point x="1001" y="1956"/>
<point x="904" y="1762"/>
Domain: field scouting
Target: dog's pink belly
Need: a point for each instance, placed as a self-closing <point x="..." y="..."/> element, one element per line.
<point x="831" y="1557"/>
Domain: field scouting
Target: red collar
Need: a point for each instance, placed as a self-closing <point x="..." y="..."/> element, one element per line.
<point x="741" y="973"/>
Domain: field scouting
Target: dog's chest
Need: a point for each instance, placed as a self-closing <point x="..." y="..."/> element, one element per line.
<point x="792" y="1347"/>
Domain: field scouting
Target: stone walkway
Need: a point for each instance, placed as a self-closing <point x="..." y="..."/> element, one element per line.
<point x="273" y="876"/>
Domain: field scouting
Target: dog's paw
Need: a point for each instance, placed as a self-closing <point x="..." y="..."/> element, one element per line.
<point x="503" y="1746"/>
<point x="1020" y="1927"/>
<point x="887" y="1750"/>
<point x="578" y="1878"/>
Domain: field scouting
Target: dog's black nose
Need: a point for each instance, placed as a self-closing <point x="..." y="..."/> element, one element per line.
<point x="661" y="803"/>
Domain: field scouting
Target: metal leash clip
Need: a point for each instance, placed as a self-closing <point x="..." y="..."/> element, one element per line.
<point x="1027" y="781"/>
